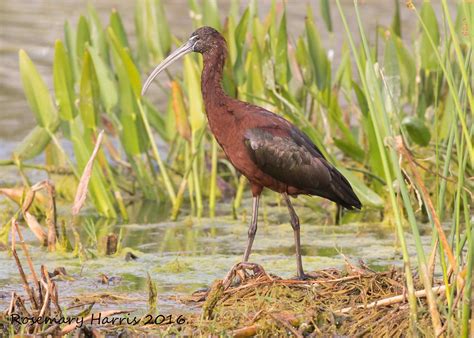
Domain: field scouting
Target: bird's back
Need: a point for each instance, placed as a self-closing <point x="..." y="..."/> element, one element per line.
<point x="282" y="151"/>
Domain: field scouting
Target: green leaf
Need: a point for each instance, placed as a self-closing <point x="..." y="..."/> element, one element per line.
<point x="88" y="93"/>
<point x="107" y="85"/>
<point x="211" y="14"/>
<point x="132" y="142"/>
<point x="34" y="143"/>
<point x="417" y="130"/>
<point x="428" y="56"/>
<point x="392" y="77"/>
<point x="407" y="67"/>
<point x="63" y="83"/>
<point x="37" y="94"/>
<point x="282" y="67"/>
<point x="132" y="71"/>
<point x="240" y="33"/>
<point x="82" y="36"/>
<point x="320" y="62"/>
<point x="97" y="33"/>
<point x="163" y="27"/>
<point x="326" y="14"/>
<point x="396" y="25"/>
<point x="350" y="149"/>
<point x="116" y="25"/>
<point x="70" y="41"/>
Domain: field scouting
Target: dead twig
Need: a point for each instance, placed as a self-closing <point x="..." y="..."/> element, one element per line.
<point x="392" y="300"/>
<point x="426" y="198"/>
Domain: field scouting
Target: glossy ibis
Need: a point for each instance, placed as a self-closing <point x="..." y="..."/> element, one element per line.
<point x="267" y="149"/>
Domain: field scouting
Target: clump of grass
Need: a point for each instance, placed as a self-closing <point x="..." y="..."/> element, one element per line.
<point x="353" y="302"/>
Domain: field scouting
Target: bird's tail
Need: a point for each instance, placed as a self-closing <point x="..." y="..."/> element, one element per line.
<point x="342" y="192"/>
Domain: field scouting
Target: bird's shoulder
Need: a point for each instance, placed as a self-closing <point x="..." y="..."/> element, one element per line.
<point x="264" y="124"/>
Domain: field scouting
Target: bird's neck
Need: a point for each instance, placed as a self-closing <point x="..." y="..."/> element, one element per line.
<point x="213" y="94"/>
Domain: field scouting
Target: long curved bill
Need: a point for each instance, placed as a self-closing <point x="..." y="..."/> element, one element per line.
<point x="186" y="48"/>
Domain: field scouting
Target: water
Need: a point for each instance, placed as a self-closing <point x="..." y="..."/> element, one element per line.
<point x="35" y="25"/>
<point x="185" y="256"/>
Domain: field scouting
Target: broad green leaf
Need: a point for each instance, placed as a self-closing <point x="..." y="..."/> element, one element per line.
<point x="240" y="34"/>
<point x="350" y="149"/>
<point x="320" y="62"/>
<point x="131" y="69"/>
<point x="282" y="67"/>
<point x="97" y="33"/>
<point x="417" y="130"/>
<point x="163" y="27"/>
<point x="254" y="84"/>
<point x="407" y="67"/>
<point x="343" y="76"/>
<point x="70" y="42"/>
<point x="428" y="56"/>
<point x="63" y="83"/>
<point x="34" y="143"/>
<point x="396" y="25"/>
<point x="107" y="85"/>
<point x="326" y="14"/>
<point x="303" y="61"/>
<point x="82" y="36"/>
<point x="117" y="26"/>
<point x="88" y="93"/>
<point x="211" y="15"/>
<point x="132" y="142"/>
<point x="391" y="88"/>
<point x="37" y="94"/>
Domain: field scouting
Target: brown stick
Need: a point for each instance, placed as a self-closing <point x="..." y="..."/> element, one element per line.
<point x="246" y="331"/>
<point x="392" y="300"/>
<point x="51" y="217"/>
<point x="25" y="250"/>
<point x="26" y="286"/>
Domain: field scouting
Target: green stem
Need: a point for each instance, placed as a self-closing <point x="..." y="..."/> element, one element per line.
<point x="156" y="154"/>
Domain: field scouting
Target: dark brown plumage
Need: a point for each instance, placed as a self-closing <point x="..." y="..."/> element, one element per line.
<point x="267" y="149"/>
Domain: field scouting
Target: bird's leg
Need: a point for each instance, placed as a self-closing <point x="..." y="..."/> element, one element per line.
<point x="295" y="224"/>
<point x="252" y="227"/>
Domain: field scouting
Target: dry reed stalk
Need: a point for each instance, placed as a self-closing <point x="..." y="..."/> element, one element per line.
<point x="51" y="219"/>
<point x="25" y="250"/>
<point x="401" y="148"/>
<point x="392" y="300"/>
<point x="26" y="285"/>
<point x="246" y="331"/>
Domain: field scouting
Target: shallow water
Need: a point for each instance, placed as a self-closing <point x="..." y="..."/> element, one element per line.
<point x="182" y="257"/>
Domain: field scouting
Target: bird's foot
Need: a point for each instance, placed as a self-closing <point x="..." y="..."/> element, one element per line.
<point x="240" y="272"/>
<point x="303" y="276"/>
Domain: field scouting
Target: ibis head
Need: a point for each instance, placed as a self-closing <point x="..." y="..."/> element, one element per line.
<point x="203" y="40"/>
